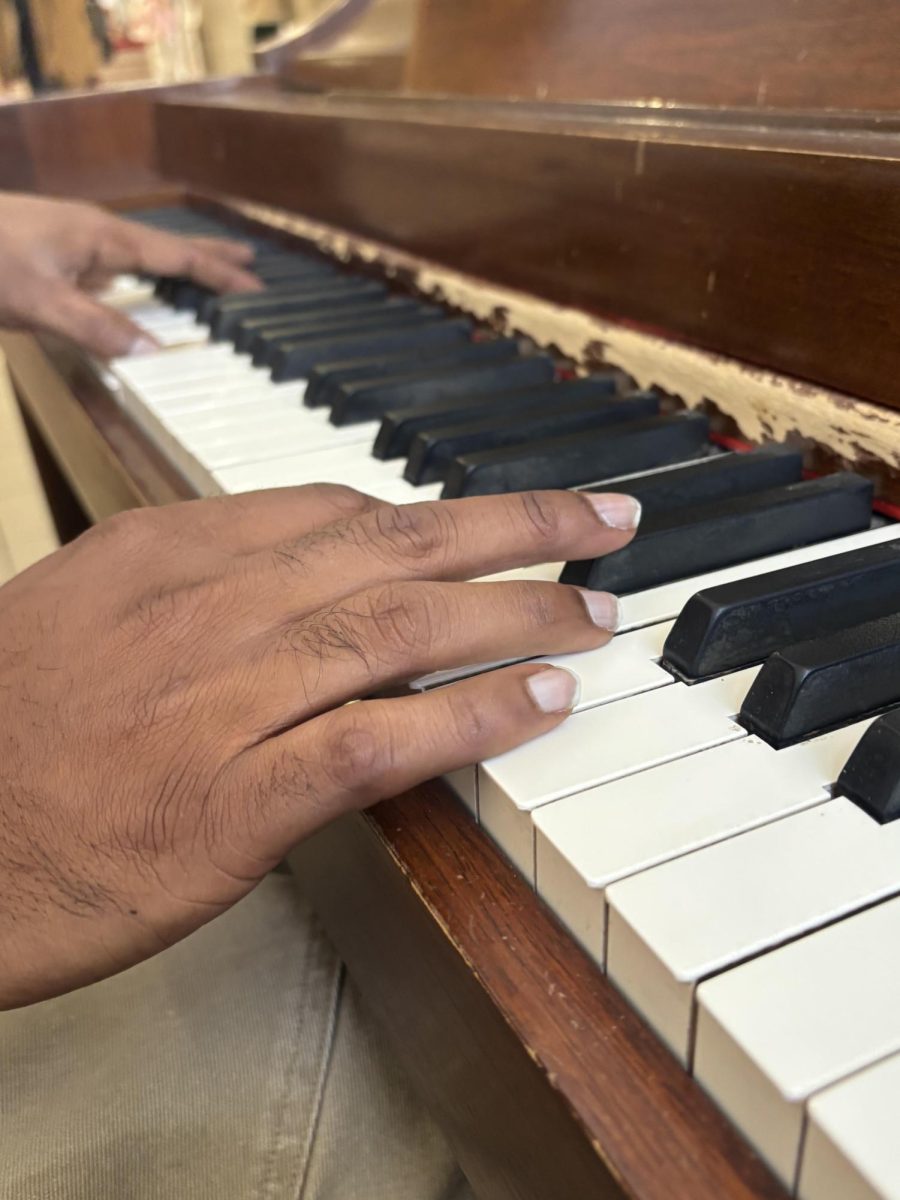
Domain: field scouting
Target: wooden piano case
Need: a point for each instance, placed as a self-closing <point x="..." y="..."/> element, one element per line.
<point x="743" y="259"/>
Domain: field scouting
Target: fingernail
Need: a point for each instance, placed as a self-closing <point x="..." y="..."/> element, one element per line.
<point x="143" y="345"/>
<point x="615" y="510"/>
<point x="554" y="690"/>
<point x="603" y="609"/>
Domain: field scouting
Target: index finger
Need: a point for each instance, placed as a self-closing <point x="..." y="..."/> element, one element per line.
<point x="153" y="252"/>
<point x="451" y="540"/>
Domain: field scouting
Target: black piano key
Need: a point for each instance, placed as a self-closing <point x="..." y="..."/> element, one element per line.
<point x="871" y="775"/>
<point x="186" y="294"/>
<point x="400" y="427"/>
<point x="326" y="378"/>
<point x="222" y="313"/>
<point x="686" y="542"/>
<point x="366" y="400"/>
<point x="385" y="312"/>
<point x="808" y="688"/>
<point x="711" y="479"/>
<point x="433" y="450"/>
<point x="251" y="332"/>
<point x="578" y="458"/>
<point x="295" y="361"/>
<point x="724" y="628"/>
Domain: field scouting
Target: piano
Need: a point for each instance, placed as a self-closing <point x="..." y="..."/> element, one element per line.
<point x="655" y="953"/>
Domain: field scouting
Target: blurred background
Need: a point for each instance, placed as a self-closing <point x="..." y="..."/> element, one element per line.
<point x="48" y="45"/>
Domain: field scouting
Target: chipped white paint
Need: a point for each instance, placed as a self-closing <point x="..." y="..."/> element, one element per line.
<point x="764" y="405"/>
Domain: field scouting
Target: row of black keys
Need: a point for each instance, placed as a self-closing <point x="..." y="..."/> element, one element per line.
<point x="786" y="704"/>
<point x="826" y="631"/>
<point x="484" y="419"/>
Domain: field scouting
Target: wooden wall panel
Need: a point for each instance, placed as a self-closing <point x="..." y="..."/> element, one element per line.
<point x="802" y="54"/>
<point x="93" y="145"/>
<point x="787" y="257"/>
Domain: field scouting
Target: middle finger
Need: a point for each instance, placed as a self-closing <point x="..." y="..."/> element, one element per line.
<point x="447" y="540"/>
<point x="391" y="633"/>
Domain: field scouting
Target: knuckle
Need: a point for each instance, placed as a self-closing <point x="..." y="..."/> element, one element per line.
<point x="173" y="609"/>
<point x="406" y="618"/>
<point x="131" y="528"/>
<point x="471" y="723"/>
<point x="541" y="514"/>
<point x="416" y="532"/>
<point x="346" y="501"/>
<point x="97" y="325"/>
<point x="357" y="754"/>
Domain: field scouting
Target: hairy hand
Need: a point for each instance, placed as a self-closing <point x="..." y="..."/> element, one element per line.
<point x="53" y="253"/>
<point x="173" y="691"/>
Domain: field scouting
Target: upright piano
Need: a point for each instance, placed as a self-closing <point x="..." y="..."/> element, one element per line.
<point x="656" y="953"/>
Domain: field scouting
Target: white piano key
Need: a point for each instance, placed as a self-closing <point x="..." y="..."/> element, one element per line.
<point x="588" y="841"/>
<point x="178" y="376"/>
<point x="402" y="492"/>
<point x="225" y="451"/>
<point x="194" y="380"/>
<point x="624" y="667"/>
<point x="127" y="292"/>
<point x="781" y="1027"/>
<point x="233" y="394"/>
<point x="462" y="783"/>
<point x="678" y="923"/>
<point x="177" y="336"/>
<point x="326" y="466"/>
<point x="549" y="571"/>
<point x="234" y="417"/>
<point x="316" y="467"/>
<point x="850" y="1147"/>
<point x="599" y="745"/>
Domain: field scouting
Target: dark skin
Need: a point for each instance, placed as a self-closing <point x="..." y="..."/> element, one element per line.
<point x="173" y="691"/>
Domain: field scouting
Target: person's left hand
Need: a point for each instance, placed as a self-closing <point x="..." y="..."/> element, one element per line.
<point x="54" y="253"/>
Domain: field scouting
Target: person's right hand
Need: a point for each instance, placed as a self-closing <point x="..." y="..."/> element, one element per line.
<point x="173" y="691"/>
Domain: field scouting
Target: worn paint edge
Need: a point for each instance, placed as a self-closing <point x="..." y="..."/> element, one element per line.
<point x="764" y="405"/>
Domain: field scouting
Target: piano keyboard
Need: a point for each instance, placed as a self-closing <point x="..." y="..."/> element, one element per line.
<point x="686" y="824"/>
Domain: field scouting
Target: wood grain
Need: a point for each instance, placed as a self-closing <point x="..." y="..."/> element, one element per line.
<point x="94" y="145"/>
<point x="107" y="472"/>
<point x="778" y="246"/>
<point x="547" y="1083"/>
<point x="807" y="54"/>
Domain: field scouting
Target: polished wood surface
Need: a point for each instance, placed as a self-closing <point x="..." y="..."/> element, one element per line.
<point x="94" y="145"/>
<point x="546" y="1082"/>
<point x="774" y="242"/>
<point x="807" y="54"/>
<point x="68" y="404"/>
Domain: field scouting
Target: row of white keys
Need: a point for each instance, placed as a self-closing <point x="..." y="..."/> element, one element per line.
<point x="587" y="842"/>
<point x="850" y="1145"/>
<point x="600" y="745"/>
<point x="778" y="1029"/>
<point x="639" y="611"/>
<point x="678" y="923"/>
<point x="272" y="442"/>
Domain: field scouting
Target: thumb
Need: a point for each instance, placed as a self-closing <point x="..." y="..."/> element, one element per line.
<point x="104" y="331"/>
